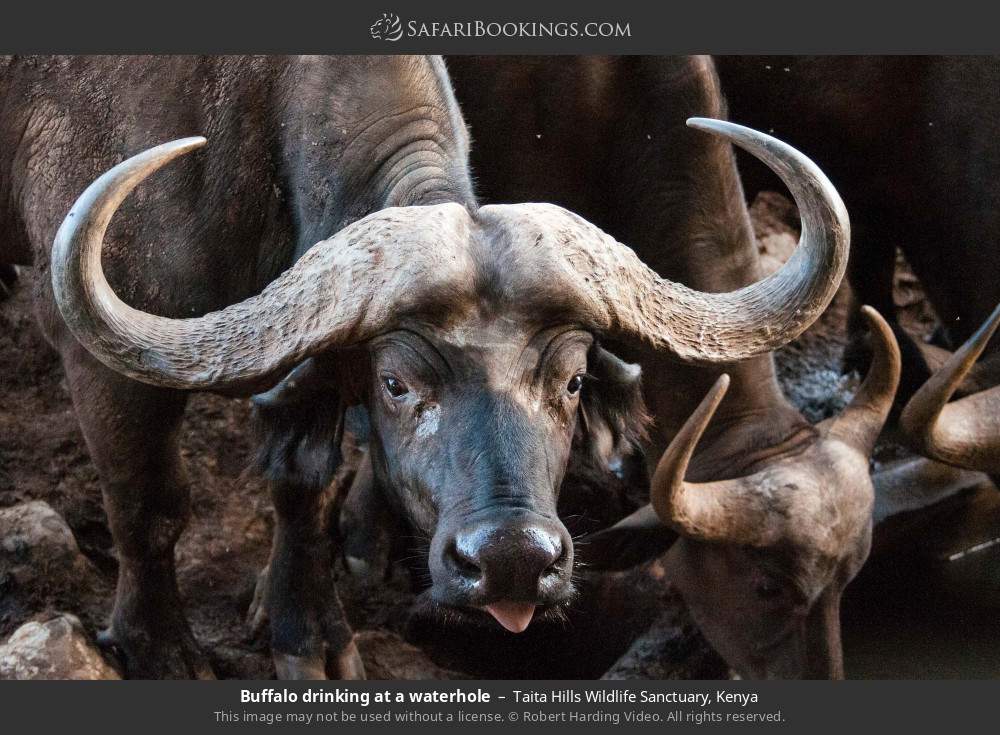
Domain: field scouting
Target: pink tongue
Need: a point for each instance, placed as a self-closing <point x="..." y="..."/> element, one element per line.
<point x="514" y="616"/>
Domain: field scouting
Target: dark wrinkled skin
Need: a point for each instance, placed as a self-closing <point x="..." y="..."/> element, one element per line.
<point x="299" y="148"/>
<point x="605" y="136"/>
<point x="910" y="142"/>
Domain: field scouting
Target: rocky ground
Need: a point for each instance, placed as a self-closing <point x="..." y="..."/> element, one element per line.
<point x="925" y="606"/>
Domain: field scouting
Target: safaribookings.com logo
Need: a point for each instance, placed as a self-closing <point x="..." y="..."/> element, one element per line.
<point x="387" y="28"/>
<point x="390" y="28"/>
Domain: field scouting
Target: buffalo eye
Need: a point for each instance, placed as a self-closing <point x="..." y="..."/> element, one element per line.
<point x="574" y="385"/>
<point x="394" y="387"/>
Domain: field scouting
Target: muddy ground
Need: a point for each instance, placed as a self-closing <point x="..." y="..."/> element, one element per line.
<point x="925" y="605"/>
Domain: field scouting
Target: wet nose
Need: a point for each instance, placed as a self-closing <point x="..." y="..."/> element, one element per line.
<point x="526" y="561"/>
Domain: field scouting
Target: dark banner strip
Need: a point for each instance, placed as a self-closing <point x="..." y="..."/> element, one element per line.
<point x="373" y="707"/>
<point x="450" y="27"/>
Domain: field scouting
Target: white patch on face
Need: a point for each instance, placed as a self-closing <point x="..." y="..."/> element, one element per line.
<point x="461" y="336"/>
<point x="429" y="421"/>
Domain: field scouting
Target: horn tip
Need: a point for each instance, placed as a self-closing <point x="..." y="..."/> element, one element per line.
<point x="191" y="142"/>
<point x="877" y="323"/>
<point x="718" y="392"/>
<point x="724" y="128"/>
<point x="164" y="153"/>
<point x="712" y="399"/>
<point x="871" y="314"/>
<point x="709" y="124"/>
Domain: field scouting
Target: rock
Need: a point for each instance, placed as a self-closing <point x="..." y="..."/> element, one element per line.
<point x="41" y="566"/>
<point x="387" y="656"/>
<point x="37" y="548"/>
<point x="55" y="649"/>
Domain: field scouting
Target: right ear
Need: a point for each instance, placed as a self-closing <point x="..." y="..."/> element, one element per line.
<point x="613" y="416"/>
<point x="635" y="539"/>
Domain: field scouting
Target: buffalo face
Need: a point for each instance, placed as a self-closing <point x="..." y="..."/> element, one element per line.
<point x="472" y="439"/>
<point x="471" y="431"/>
<point x="772" y="609"/>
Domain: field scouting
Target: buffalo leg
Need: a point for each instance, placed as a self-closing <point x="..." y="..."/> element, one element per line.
<point x="310" y="636"/>
<point x="132" y="433"/>
<point x="368" y="528"/>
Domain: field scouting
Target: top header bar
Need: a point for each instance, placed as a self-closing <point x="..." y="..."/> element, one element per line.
<point x="509" y="27"/>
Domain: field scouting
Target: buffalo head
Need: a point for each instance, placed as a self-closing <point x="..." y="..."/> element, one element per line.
<point x="470" y="335"/>
<point x="761" y="560"/>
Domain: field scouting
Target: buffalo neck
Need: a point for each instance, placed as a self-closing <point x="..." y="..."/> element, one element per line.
<point x="364" y="133"/>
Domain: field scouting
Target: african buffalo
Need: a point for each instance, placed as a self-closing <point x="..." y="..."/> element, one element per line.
<point x="326" y="248"/>
<point x="762" y="560"/>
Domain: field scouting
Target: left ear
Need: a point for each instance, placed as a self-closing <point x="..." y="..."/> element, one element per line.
<point x="300" y="422"/>
<point x="613" y="416"/>
<point x="633" y="540"/>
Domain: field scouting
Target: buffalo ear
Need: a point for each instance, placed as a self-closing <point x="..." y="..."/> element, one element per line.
<point x="613" y="417"/>
<point x="300" y="422"/>
<point x="635" y="539"/>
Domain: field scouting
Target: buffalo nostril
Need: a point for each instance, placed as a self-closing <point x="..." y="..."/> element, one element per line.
<point x="546" y="546"/>
<point x="463" y="561"/>
<point x="556" y="566"/>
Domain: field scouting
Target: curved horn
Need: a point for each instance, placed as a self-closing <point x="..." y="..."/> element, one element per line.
<point x="861" y="422"/>
<point x="965" y="433"/>
<point x="626" y="296"/>
<point x="332" y="295"/>
<point x="732" y="511"/>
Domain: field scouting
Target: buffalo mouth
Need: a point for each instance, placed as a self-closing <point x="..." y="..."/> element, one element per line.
<point x="542" y="615"/>
<point x="512" y="616"/>
<point x="516" y="621"/>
